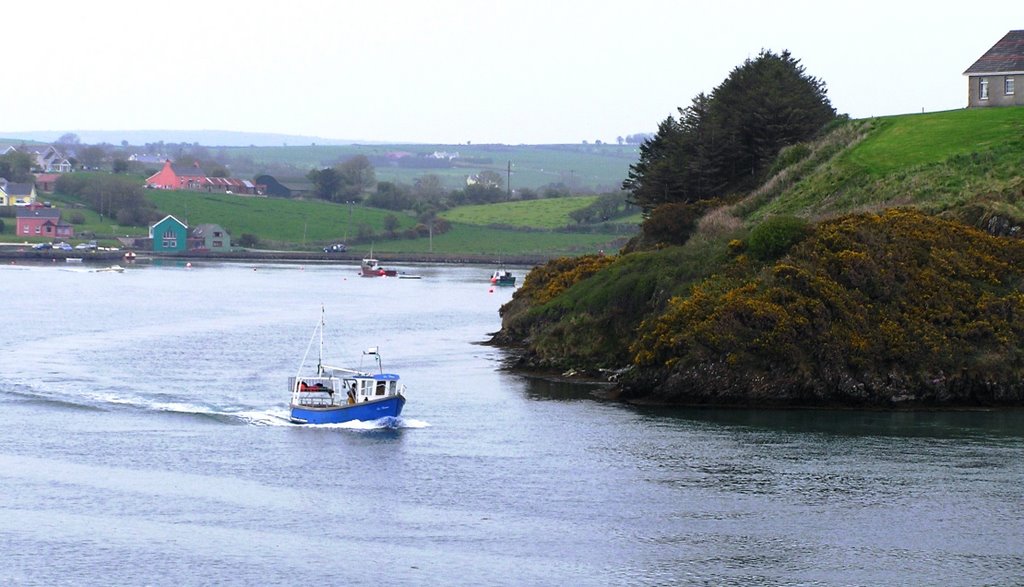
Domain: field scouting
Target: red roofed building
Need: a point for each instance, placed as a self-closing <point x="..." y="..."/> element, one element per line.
<point x="36" y="220"/>
<point x="179" y="177"/>
<point x="176" y="177"/>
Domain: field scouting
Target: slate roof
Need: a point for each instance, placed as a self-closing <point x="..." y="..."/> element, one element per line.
<point x="202" y="230"/>
<point x="1006" y="56"/>
<point x="187" y="170"/>
<point x="18" y="189"/>
<point x="48" y="213"/>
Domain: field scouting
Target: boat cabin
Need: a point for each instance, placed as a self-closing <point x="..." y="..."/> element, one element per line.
<point x="330" y="390"/>
<point x="365" y="388"/>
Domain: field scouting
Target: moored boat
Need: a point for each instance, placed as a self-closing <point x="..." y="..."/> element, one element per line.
<point x="332" y="395"/>
<point x="503" y="277"/>
<point x="371" y="268"/>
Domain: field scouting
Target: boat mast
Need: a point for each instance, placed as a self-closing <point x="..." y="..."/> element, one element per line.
<point x="320" y="356"/>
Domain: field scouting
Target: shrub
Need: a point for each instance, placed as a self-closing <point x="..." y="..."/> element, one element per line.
<point x="77" y="218"/>
<point x="248" y="240"/>
<point x="789" y="156"/>
<point x="719" y="222"/>
<point x="773" y="237"/>
<point x="871" y="297"/>
<point x="672" y="223"/>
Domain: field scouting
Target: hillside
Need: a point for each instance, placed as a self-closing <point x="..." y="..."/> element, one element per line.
<point x="851" y="314"/>
<point x="536" y="229"/>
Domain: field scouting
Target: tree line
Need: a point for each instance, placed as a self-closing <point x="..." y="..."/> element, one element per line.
<point x="725" y="141"/>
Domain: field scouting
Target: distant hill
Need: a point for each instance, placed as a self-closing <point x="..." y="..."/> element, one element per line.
<point x="207" y="138"/>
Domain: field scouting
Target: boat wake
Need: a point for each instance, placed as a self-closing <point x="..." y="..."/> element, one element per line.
<point x="239" y="415"/>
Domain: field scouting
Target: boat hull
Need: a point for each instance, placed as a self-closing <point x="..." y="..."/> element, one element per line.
<point x="388" y="407"/>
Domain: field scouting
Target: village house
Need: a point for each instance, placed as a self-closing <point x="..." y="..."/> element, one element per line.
<point x="291" y="187"/>
<point x="176" y="177"/>
<point x="992" y="80"/>
<point x="16" y="194"/>
<point x="48" y="158"/>
<point x="46" y="182"/>
<point x="146" y="158"/>
<point x="169" y="235"/>
<point x="192" y="177"/>
<point x="42" y="221"/>
<point x="45" y="158"/>
<point x="211" y="237"/>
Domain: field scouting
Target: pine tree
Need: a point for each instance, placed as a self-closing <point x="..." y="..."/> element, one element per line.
<point x="724" y="142"/>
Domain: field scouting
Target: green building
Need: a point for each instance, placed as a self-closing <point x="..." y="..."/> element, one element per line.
<point x="169" y="235"/>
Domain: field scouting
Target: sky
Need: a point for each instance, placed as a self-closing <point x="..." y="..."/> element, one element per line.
<point x="458" y="71"/>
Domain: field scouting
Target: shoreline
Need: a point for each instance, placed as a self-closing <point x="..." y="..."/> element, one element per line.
<point x="23" y="252"/>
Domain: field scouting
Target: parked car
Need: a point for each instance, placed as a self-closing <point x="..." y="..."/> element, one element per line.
<point x="63" y="246"/>
<point x="86" y="246"/>
<point x="335" y="248"/>
<point x="41" y="246"/>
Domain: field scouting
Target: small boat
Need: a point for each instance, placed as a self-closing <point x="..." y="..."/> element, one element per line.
<point x="371" y="268"/>
<point x="112" y="269"/>
<point x="503" y="277"/>
<point x="333" y="395"/>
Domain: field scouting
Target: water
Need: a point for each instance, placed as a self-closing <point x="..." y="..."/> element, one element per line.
<point x="145" y="442"/>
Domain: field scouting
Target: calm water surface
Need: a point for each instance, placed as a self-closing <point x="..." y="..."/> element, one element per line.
<point x="145" y="442"/>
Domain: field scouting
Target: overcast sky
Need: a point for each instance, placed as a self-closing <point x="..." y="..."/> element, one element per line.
<point x="451" y="71"/>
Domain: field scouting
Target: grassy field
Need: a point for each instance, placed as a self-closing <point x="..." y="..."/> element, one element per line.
<point x="905" y="141"/>
<point x="551" y="213"/>
<point x="481" y="240"/>
<point x="954" y="162"/>
<point x="308" y="225"/>
<point x="300" y="222"/>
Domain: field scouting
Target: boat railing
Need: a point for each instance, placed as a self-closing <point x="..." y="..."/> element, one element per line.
<point x="311" y="401"/>
<point x="313" y="391"/>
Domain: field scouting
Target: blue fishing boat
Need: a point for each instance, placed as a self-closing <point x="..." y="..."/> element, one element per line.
<point x="333" y="395"/>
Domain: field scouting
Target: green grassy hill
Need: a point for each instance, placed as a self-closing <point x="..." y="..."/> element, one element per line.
<point x="553" y="213"/>
<point x="896" y="244"/>
<point x="310" y="224"/>
<point x="290" y="224"/>
<point x="943" y="161"/>
<point x="532" y="229"/>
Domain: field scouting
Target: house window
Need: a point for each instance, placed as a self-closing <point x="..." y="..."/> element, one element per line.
<point x="24" y="229"/>
<point x="38" y="230"/>
<point x="170" y="239"/>
<point x="983" y="88"/>
<point x="1008" y="86"/>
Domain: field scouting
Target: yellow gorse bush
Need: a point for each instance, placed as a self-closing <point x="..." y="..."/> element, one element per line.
<point x="867" y="291"/>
